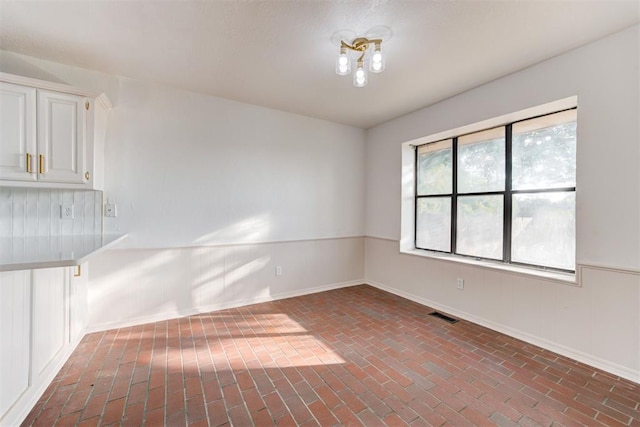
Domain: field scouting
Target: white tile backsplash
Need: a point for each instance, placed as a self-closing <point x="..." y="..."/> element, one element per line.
<point x="6" y="211"/>
<point x="28" y="212"/>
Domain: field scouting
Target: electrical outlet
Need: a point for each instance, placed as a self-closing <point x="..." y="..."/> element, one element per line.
<point x="460" y="283"/>
<point x="278" y="270"/>
<point x="66" y="211"/>
<point x="111" y="210"/>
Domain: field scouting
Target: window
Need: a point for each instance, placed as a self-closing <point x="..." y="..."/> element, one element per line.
<point x="505" y="193"/>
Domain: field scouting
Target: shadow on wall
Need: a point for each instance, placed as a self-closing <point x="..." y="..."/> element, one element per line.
<point x="250" y="230"/>
<point x="19" y="65"/>
<point x="137" y="283"/>
<point x="127" y="286"/>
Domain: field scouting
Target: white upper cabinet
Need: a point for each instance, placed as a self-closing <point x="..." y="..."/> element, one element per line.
<point x="62" y="142"/>
<point x="17" y="132"/>
<point x="51" y="135"/>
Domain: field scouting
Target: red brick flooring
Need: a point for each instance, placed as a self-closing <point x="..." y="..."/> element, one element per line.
<point x="354" y="356"/>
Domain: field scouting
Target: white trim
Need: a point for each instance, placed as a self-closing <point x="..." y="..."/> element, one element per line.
<point x="57" y="87"/>
<point x="215" y="307"/>
<point x="388" y="239"/>
<point x="552" y="276"/>
<point x="523" y="271"/>
<point x="530" y="272"/>
<point x="538" y="110"/>
<point x="605" y="365"/>
<point x="44" y="184"/>
<point x="216" y="245"/>
<point x="407" y="191"/>
<point x="611" y="268"/>
<point x="104" y="102"/>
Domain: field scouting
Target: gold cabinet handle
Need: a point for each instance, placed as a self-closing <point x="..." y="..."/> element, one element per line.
<point x="41" y="164"/>
<point x="29" y="163"/>
<point x="78" y="272"/>
<point x="87" y="176"/>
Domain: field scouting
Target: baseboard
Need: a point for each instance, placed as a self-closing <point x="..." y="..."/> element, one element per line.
<point x="214" y="307"/>
<point x="605" y="365"/>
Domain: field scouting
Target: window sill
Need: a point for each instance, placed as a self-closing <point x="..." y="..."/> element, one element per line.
<point x="554" y="276"/>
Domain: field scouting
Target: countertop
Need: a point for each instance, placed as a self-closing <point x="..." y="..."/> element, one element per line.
<point x="27" y="253"/>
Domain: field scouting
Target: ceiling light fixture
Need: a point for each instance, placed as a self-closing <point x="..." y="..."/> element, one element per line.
<point x="369" y="51"/>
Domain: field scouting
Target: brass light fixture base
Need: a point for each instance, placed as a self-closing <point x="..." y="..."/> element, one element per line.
<point x="361" y="44"/>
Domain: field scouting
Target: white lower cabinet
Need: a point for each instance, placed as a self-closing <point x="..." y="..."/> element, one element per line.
<point x="49" y="302"/>
<point x="43" y="315"/>
<point x="15" y="301"/>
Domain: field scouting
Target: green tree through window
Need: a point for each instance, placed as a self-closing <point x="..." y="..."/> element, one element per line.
<point x="505" y="194"/>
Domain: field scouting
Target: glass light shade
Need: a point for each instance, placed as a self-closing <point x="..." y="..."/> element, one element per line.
<point x="360" y="77"/>
<point x="376" y="64"/>
<point x="343" y="66"/>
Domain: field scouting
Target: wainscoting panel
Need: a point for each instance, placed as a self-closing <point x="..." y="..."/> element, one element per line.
<point x="133" y="286"/>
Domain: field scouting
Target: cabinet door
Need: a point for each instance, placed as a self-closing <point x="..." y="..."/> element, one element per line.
<point x="49" y="318"/>
<point x="61" y="137"/>
<point x="17" y="132"/>
<point x="15" y="309"/>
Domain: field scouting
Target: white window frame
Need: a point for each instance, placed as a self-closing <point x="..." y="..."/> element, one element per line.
<point x="408" y="180"/>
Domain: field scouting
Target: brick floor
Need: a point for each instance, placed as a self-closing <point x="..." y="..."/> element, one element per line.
<point x="353" y="356"/>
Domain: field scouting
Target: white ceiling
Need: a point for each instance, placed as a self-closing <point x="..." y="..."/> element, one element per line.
<point x="278" y="53"/>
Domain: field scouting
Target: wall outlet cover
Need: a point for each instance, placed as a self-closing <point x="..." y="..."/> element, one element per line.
<point x="111" y="210"/>
<point x="66" y="211"/>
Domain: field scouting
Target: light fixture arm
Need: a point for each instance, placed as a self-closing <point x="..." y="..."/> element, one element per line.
<point x="361" y="44"/>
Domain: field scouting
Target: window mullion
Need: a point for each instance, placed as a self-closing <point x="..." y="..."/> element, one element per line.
<point x="415" y="197"/>
<point x="506" y="236"/>
<point x="454" y="193"/>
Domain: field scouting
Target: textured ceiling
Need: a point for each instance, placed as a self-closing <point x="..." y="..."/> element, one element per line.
<point x="278" y="53"/>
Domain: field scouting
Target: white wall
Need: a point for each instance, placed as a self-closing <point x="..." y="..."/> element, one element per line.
<point x="598" y="322"/>
<point x="195" y="174"/>
<point x="187" y="169"/>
